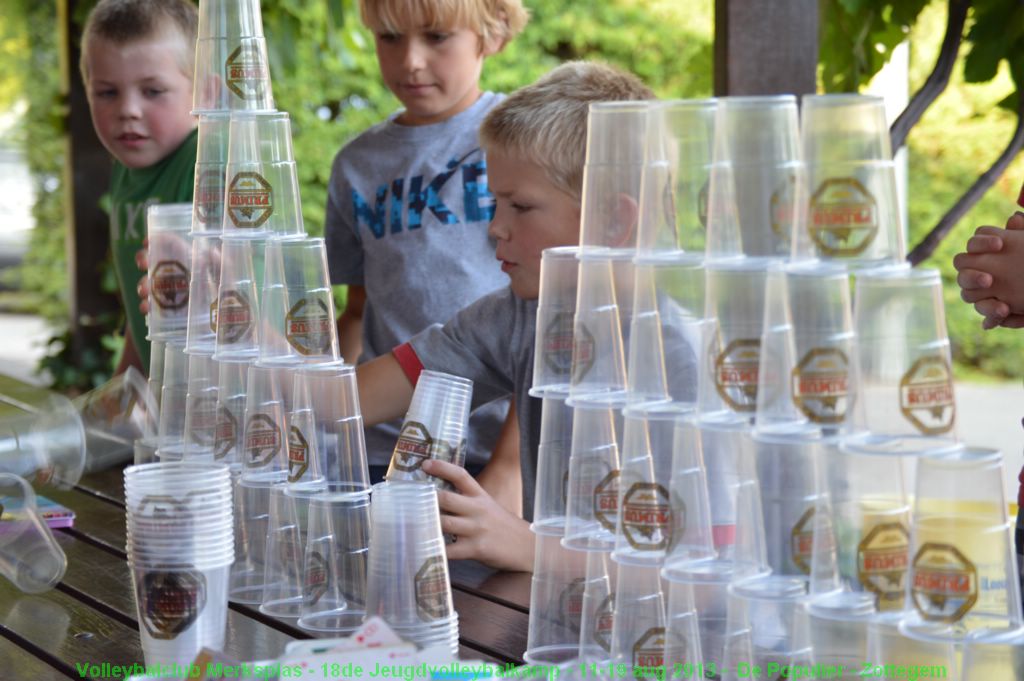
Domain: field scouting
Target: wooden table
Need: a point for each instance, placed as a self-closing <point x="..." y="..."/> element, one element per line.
<point x="90" y="616"/>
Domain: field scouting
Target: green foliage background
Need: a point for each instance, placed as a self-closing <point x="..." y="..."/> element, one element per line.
<point x="325" y="76"/>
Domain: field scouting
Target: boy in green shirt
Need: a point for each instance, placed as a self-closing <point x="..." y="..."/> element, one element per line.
<point x="137" y="65"/>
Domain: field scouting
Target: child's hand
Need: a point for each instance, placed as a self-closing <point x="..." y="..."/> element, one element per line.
<point x="484" y="530"/>
<point x="989" y="273"/>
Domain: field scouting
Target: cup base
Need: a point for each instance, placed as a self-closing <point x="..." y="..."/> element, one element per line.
<point x="551" y="655"/>
<point x="340" y="621"/>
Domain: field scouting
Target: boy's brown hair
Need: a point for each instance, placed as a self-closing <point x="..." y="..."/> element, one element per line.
<point x="489" y="19"/>
<point x="546" y="123"/>
<point x="125" y="21"/>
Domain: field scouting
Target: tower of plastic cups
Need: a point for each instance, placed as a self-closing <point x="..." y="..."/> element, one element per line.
<point x="180" y="549"/>
<point x="407" y="581"/>
<point x="434" y="426"/>
<point x="853" y="213"/>
<point x="232" y="68"/>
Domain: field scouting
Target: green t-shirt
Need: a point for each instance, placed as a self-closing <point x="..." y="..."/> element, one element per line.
<point x="131" y="193"/>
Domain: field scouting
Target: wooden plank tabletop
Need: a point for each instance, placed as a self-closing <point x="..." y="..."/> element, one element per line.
<point x="90" y="617"/>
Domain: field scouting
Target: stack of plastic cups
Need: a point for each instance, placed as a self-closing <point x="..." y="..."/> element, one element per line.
<point x="180" y="549"/>
<point x="407" y="581"/>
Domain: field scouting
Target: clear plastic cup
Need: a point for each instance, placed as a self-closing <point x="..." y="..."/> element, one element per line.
<point x="903" y="374"/>
<point x="434" y="426"/>
<point x="334" y="575"/>
<point x="232" y="391"/>
<point x="262" y="196"/>
<point x="666" y="332"/>
<point x="808" y="334"/>
<point x="232" y="74"/>
<point x="114" y="415"/>
<point x="252" y="516"/>
<point x="283" y="579"/>
<point x="238" y="301"/>
<point x="591" y="508"/>
<point x="839" y="638"/>
<point x="766" y="629"/>
<point x="42" y="438"/>
<point x="693" y="536"/>
<point x="552" y="466"/>
<point x="556" y="309"/>
<point x="265" y="434"/>
<point x="602" y="321"/>
<point x="211" y="166"/>
<point x="170" y="269"/>
<point x="639" y="631"/>
<point x="683" y="653"/>
<point x="297" y="304"/>
<point x="155" y="377"/>
<point x="995" y="657"/>
<point x="963" y="575"/>
<point x="702" y="596"/>
<point x="676" y="177"/>
<point x="759" y="170"/>
<point x="201" y="336"/>
<point x="853" y="208"/>
<point x="646" y="522"/>
<point x="556" y="602"/>
<point x="887" y="647"/>
<point x="201" y="415"/>
<point x="173" y="402"/>
<point x="327" y="445"/>
<point x="735" y="301"/>
<point x="597" y="614"/>
<point x="29" y="555"/>
<point x="616" y="144"/>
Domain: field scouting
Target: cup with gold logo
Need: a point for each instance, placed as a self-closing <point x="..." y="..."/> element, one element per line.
<point x="201" y="408"/>
<point x="265" y="431"/>
<point x="211" y="165"/>
<point x="285" y="553"/>
<point x="591" y="509"/>
<point x="201" y="335"/>
<point x="556" y="602"/>
<point x="683" y="644"/>
<point x="597" y="616"/>
<point x="232" y="68"/>
<point x="639" y="632"/>
<point x="962" y="576"/>
<point x="170" y="269"/>
<point x="236" y="316"/>
<point x="556" y="310"/>
<point x="853" y="212"/>
<point x="297" y="314"/>
<point x="41" y="437"/>
<point x="903" y="375"/>
<point x="229" y="428"/>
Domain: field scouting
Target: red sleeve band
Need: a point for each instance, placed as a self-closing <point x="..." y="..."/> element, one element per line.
<point x="409" y="361"/>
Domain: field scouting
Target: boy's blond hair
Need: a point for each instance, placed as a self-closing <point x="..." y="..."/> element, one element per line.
<point x="489" y="19"/>
<point x="122" y="22"/>
<point x="546" y="123"/>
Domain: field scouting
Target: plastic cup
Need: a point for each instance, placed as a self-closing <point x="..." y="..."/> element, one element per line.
<point x="283" y="577"/>
<point x="995" y="657"/>
<point x="252" y="516"/>
<point x="676" y="177"/>
<point x="29" y="555"/>
<point x="232" y="74"/>
<point x="238" y="302"/>
<point x="552" y="466"/>
<point x="170" y="269"/>
<point x="963" y="575"/>
<point x="683" y="653"/>
<point x="41" y="438"/>
<point x="173" y="401"/>
<point x="211" y="166"/>
<point x="230" y="19"/>
<point x="853" y="208"/>
<point x="556" y="310"/>
<point x="766" y="629"/>
<point x="114" y="415"/>
<point x="903" y="375"/>
<point x="262" y="196"/>
<point x="701" y="602"/>
<point x="201" y="336"/>
<point x="155" y="377"/>
<point x="646" y="522"/>
<point x="181" y="609"/>
<point x="839" y="638"/>
<point x="232" y="391"/>
<point x="735" y="301"/>
<point x="616" y="144"/>
<point x="871" y="523"/>
<point x="434" y="426"/>
<point x="666" y="332"/>
<point x="407" y="570"/>
<point x="334" y="575"/>
<point x="265" y="434"/>
<point x="556" y="603"/>
<point x="601" y="324"/>
<point x="201" y="415"/>
<point x="887" y="647"/>
<point x="297" y="304"/>
<point x="808" y="334"/>
<point x="591" y="508"/>
<point x="693" y="536"/>
<point x="597" y="614"/>
<point x="758" y="182"/>
<point x="639" y="631"/>
<point x="327" y="445"/>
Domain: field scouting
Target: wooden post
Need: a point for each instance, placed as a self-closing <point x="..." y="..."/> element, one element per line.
<point x="86" y="179"/>
<point x="765" y="47"/>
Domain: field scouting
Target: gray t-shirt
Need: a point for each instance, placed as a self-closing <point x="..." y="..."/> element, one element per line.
<point x="491" y="342"/>
<point x="407" y="215"/>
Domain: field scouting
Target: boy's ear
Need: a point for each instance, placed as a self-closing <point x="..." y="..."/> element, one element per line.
<point x="625" y="215"/>
<point x="495" y="43"/>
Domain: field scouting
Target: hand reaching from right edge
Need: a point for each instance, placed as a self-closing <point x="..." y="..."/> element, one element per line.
<point x="991" y="273"/>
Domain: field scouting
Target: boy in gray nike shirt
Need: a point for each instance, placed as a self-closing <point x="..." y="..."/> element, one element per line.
<point x="535" y="142"/>
<point x="408" y="202"/>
